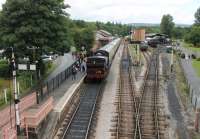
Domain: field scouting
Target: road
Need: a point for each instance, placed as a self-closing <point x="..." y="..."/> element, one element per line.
<point x="62" y="62"/>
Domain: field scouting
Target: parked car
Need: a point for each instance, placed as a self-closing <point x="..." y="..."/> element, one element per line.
<point x="47" y="58"/>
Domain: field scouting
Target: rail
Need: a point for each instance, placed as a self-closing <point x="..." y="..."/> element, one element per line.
<point x="125" y="79"/>
<point x="155" y="94"/>
<point x="87" y="112"/>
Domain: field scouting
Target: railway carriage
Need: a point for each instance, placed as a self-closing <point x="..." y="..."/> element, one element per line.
<point x="99" y="64"/>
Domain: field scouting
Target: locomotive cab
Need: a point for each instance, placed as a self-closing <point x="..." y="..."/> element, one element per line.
<point x="97" y="67"/>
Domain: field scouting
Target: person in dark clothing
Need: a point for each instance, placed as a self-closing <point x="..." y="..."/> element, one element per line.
<point x="74" y="71"/>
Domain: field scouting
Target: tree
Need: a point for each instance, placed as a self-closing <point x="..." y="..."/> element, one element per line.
<point x="180" y="32"/>
<point x="194" y="36"/>
<point x="167" y="25"/>
<point x="83" y="37"/>
<point x="197" y="16"/>
<point x="40" y="23"/>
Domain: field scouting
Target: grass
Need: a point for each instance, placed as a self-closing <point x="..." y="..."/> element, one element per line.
<point x="50" y="67"/>
<point x="181" y="83"/>
<point x="196" y="65"/>
<point x="134" y="53"/>
<point x="24" y="79"/>
<point x="191" y="47"/>
<point x="4" y="84"/>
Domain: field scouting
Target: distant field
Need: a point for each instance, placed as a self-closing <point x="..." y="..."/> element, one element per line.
<point x="191" y="47"/>
<point x="196" y="65"/>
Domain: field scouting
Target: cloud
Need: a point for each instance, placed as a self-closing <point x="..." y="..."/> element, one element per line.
<point x="127" y="11"/>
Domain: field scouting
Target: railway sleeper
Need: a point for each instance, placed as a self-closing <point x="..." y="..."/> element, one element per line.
<point x="78" y="127"/>
<point x="125" y="133"/>
<point x="76" y="131"/>
<point x="125" y="122"/>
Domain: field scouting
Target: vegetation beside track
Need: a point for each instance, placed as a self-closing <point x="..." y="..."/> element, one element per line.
<point x="191" y="47"/>
<point x="26" y="81"/>
<point x="196" y="65"/>
<point x="134" y="55"/>
<point x="181" y="83"/>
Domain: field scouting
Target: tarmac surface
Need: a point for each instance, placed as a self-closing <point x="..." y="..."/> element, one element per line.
<point x="62" y="63"/>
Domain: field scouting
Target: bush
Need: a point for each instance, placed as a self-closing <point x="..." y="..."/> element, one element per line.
<point x="3" y="62"/>
<point x="198" y="59"/>
<point x="4" y="69"/>
<point x="48" y="65"/>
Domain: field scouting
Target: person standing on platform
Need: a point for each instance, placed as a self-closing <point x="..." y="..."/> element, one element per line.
<point x="74" y="71"/>
<point x="83" y="66"/>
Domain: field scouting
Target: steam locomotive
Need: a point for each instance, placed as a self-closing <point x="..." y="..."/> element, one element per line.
<point x="99" y="64"/>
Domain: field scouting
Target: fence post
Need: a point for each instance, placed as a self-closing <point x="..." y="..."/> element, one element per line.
<point x="48" y="88"/>
<point x="18" y="88"/>
<point x="65" y="74"/>
<point x="5" y="95"/>
<point x="57" y="80"/>
<point x="53" y="84"/>
<point x="196" y="123"/>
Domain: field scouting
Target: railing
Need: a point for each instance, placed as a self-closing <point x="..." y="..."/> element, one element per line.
<point x="47" y="87"/>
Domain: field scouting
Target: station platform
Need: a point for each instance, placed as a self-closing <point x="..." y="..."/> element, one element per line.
<point x="107" y="106"/>
<point x="61" y="96"/>
<point x="59" y="99"/>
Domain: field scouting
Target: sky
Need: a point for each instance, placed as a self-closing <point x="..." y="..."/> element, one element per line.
<point x="132" y="11"/>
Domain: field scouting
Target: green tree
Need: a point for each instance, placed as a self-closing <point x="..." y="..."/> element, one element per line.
<point x="194" y="36"/>
<point x="180" y="32"/>
<point x="197" y="16"/>
<point x="167" y="25"/>
<point x="40" y="23"/>
<point x="83" y="37"/>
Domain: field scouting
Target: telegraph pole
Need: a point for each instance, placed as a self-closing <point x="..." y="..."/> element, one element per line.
<point x="37" y="73"/>
<point x="16" y="99"/>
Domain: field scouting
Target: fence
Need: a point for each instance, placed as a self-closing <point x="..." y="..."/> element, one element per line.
<point x="193" y="91"/>
<point x="47" y="87"/>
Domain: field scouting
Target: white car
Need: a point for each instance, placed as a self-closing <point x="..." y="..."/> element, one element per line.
<point x="46" y="58"/>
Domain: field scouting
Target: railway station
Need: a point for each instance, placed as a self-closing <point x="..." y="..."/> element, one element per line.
<point x="69" y="75"/>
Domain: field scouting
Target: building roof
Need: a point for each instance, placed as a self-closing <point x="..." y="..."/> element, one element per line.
<point x="103" y="35"/>
<point x="151" y="35"/>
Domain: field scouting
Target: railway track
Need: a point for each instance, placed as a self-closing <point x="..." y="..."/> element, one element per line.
<point x="126" y="100"/>
<point x="148" y="115"/>
<point x="80" y="122"/>
<point x="139" y="117"/>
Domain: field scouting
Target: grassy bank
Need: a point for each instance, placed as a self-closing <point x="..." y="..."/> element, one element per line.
<point x="26" y="80"/>
<point x="196" y="65"/>
<point x="191" y="47"/>
<point x="4" y="84"/>
<point x="181" y="83"/>
<point x="134" y="54"/>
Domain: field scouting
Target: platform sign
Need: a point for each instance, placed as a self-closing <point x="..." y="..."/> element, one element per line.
<point x="32" y="67"/>
<point x="27" y="67"/>
<point x="22" y="66"/>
